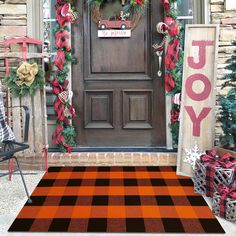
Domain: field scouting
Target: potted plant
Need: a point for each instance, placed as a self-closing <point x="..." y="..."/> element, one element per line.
<point x="228" y="109"/>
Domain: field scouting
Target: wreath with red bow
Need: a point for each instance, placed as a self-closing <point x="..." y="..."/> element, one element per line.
<point x="64" y="135"/>
<point x="133" y="8"/>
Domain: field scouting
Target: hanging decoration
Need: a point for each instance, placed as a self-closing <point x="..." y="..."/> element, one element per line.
<point x="132" y="9"/>
<point x="25" y="79"/>
<point x="64" y="135"/>
<point x="173" y="64"/>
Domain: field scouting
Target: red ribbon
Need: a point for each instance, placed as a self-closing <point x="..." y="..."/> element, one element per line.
<point x="140" y="2"/>
<point x="212" y="160"/>
<point x="57" y="136"/>
<point x="60" y="59"/>
<point x="172" y="54"/>
<point x="60" y="109"/>
<point x="68" y="148"/>
<point x="226" y="161"/>
<point x="71" y="110"/>
<point x="173" y="28"/>
<point x="62" y="38"/>
<point x="225" y="192"/>
<point x="62" y="20"/>
<point x="169" y="82"/>
<point x="174" y="116"/>
<point x="166" y="4"/>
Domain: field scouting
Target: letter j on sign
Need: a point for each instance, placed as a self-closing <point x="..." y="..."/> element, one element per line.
<point x="197" y="115"/>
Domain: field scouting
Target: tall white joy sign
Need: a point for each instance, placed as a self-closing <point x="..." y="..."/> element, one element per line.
<point x="197" y="115"/>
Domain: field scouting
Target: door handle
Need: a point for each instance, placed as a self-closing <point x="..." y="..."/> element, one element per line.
<point x="159" y="54"/>
<point x="162" y="28"/>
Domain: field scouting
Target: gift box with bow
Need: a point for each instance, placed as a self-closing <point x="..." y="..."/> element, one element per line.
<point x="212" y="170"/>
<point x="224" y="202"/>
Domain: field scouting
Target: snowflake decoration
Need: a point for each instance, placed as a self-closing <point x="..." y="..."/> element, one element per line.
<point x="192" y="155"/>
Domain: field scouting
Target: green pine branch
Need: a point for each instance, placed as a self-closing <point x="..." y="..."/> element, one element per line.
<point x="228" y="105"/>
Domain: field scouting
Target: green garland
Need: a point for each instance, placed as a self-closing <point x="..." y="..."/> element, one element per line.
<point x="177" y="72"/>
<point x="65" y="134"/>
<point x="23" y="90"/>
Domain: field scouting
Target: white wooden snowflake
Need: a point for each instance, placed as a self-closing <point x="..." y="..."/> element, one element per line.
<point x="192" y="155"/>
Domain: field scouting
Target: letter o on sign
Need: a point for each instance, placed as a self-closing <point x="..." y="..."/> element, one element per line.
<point x="189" y="87"/>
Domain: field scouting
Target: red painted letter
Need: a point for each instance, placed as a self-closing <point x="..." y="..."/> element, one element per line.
<point x="189" y="87"/>
<point x="202" y="44"/>
<point x="197" y="120"/>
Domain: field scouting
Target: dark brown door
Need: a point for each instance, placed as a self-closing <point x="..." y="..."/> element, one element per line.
<point x="119" y="98"/>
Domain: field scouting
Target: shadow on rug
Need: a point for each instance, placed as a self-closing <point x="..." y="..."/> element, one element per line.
<point x="116" y="199"/>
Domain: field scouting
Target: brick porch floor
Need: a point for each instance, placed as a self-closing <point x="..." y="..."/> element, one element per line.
<point x="99" y="158"/>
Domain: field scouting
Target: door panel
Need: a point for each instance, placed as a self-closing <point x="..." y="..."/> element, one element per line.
<point x="137" y="109"/>
<point x="120" y="100"/>
<point x="119" y="55"/>
<point x="98" y="109"/>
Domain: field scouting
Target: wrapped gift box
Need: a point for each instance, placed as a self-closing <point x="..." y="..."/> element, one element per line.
<point x="211" y="171"/>
<point x="224" y="203"/>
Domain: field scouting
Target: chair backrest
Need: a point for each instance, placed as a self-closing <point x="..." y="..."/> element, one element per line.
<point x="6" y="133"/>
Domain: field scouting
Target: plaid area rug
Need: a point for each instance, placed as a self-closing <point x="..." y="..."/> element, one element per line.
<point x="116" y="199"/>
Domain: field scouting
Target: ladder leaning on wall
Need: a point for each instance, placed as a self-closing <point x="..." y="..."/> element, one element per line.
<point x="38" y="134"/>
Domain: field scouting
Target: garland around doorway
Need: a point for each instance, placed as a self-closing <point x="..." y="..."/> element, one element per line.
<point x="64" y="135"/>
<point x="174" y="64"/>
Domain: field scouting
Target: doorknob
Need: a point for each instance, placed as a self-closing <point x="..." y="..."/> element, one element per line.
<point x="162" y="28"/>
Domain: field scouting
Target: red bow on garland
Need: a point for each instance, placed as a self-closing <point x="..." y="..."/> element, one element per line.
<point x="166" y="4"/>
<point x="140" y="2"/>
<point x="60" y="59"/>
<point x="58" y="138"/>
<point x="172" y="54"/>
<point x="58" y="105"/>
<point x="62" y="20"/>
<point x="62" y="37"/>
<point x="57" y="87"/>
<point x="173" y="29"/>
<point x="174" y="116"/>
<point x="169" y="82"/>
<point x="61" y="2"/>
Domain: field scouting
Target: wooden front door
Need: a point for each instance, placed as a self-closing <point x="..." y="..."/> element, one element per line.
<point x="117" y="94"/>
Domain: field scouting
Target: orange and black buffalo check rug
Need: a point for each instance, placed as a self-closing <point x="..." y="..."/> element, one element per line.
<point x="116" y="199"/>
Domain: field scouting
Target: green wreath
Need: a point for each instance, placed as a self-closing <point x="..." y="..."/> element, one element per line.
<point x="135" y="8"/>
<point x="21" y="88"/>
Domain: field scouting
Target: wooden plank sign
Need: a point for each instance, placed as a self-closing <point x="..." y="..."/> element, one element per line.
<point x="197" y="115"/>
<point x="114" y="33"/>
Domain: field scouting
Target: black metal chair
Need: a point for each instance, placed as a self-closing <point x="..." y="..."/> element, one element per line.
<point x="10" y="147"/>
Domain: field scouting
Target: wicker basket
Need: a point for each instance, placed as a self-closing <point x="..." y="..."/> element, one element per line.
<point x="222" y="175"/>
<point x="230" y="207"/>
